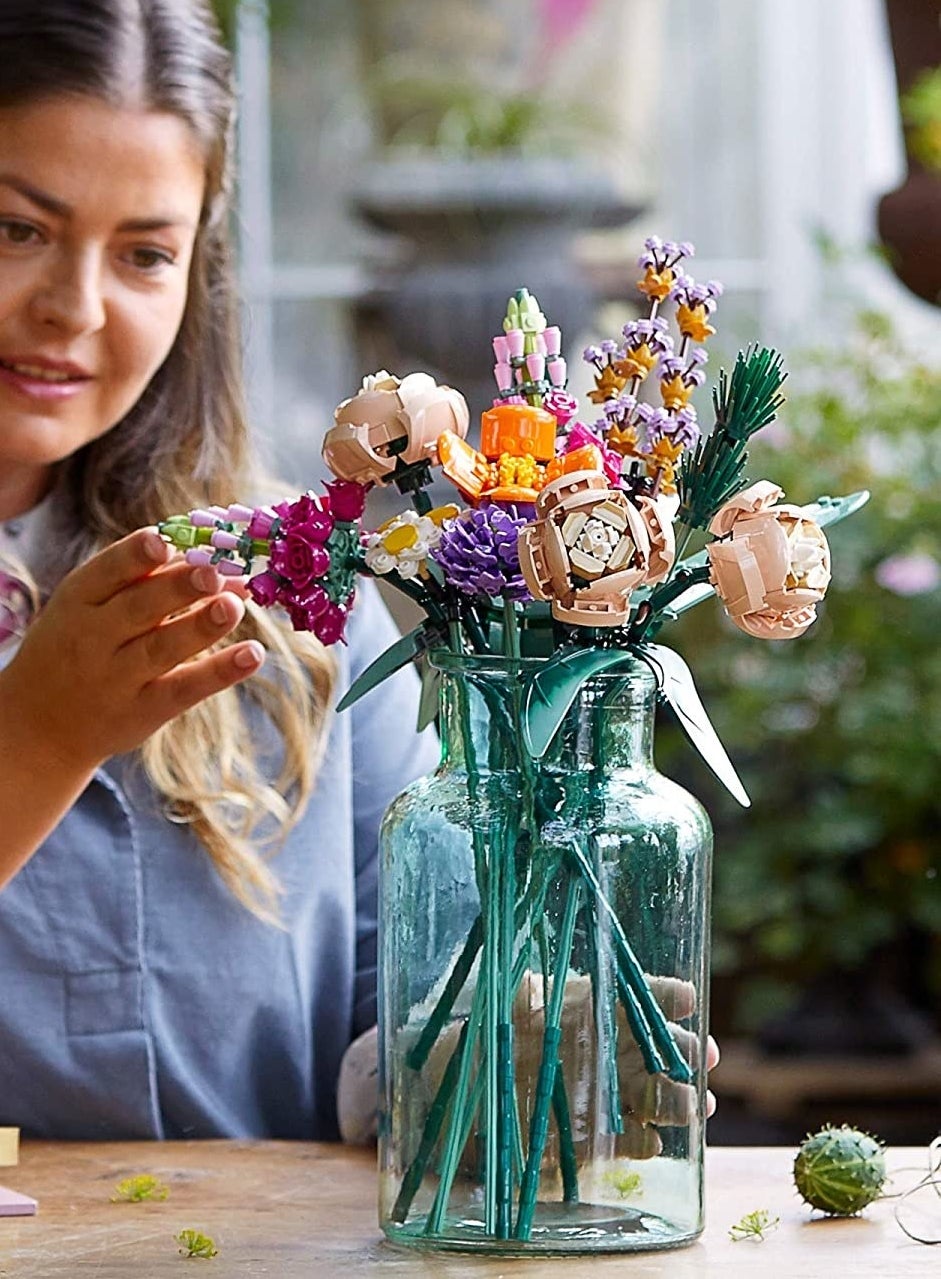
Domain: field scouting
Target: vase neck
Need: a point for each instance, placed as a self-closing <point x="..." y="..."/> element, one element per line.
<point x="610" y="724"/>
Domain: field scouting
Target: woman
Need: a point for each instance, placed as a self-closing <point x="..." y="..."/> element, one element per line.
<point x="161" y="977"/>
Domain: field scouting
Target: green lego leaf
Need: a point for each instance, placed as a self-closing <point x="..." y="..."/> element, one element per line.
<point x="402" y="652"/>
<point x="549" y="693"/>
<point x="430" y="687"/>
<point x="675" y="681"/>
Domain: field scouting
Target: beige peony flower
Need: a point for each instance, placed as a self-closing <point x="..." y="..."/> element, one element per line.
<point x="590" y="546"/>
<point x="390" y="422"/>
<point x="771" y="566"/>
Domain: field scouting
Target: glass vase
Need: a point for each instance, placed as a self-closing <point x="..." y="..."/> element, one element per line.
<point x="543" y="979"/>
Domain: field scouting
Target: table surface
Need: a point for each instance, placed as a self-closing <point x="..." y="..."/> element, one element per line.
<point x="287" y="1210"/>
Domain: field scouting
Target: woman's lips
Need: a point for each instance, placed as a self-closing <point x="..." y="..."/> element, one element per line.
<point x="38" y="385"/>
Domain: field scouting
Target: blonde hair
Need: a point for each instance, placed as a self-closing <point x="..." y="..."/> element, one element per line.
<point x="187" y="434"/>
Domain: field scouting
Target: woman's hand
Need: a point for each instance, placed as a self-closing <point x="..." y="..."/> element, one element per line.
<point x="647" y="1102"/>
<point x="119" y="649"/>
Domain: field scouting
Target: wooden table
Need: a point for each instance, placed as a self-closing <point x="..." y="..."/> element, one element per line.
<point x="287" y="1210"/>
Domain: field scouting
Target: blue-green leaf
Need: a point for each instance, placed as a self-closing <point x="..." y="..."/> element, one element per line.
<point x="829" y="510"/>
<point x="676" y="685"/>
<point x="402" y="652"/>
<point x="549" y="693"/>
<point x="430" y="686"/>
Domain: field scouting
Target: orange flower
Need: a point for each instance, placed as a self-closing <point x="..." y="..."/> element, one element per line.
<point x="693" y="322"/>
<point x="637" y="362"/>
<point x="657" y="284"/>
<point x="608" y="386"/>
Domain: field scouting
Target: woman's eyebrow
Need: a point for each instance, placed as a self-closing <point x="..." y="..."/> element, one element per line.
<point x="60" y="209"/>
<point x="40" y="198"/>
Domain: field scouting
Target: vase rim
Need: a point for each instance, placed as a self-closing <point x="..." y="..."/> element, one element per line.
<point x="634" y="669"/>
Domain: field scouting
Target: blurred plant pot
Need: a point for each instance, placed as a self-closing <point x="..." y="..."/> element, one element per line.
<point x="474" y="230"/>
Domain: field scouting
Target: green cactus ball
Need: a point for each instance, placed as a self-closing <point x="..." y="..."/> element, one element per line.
<point x="840" y="1170"/>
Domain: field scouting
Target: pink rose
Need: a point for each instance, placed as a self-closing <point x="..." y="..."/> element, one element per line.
<point x="330" y="625"/>
<point x="347" y="499"/>
<point x="300" y="556"/>
<point x="264" y="589"/>
<point x="305" y="610"/>
<point x="561" y="404"/>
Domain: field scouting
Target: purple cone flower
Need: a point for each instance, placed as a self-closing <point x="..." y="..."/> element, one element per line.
<point x="478" y="553"/>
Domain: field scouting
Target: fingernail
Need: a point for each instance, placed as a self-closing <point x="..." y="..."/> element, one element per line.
<point x="251" y="655"/>
<point x="155" y="548"/>
<point x="219" y="613"/>
<point x="205" y="579"/>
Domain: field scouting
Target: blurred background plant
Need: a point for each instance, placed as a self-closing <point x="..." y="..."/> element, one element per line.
<point x="835" y="870"/>
<point x="921" y="111"/>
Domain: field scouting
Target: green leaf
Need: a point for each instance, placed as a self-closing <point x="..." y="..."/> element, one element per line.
<point x="430" y="686"/>
<point x="676" y="685"/>
<point x="830" y="510"/>
<point x="402" y="652"/>
<point x="549" y="693"/>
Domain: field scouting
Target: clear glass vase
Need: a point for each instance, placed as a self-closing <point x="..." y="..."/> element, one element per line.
<point x="543" y="980"/>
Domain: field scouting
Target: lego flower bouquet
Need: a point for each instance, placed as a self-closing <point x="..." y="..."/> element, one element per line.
<point x="544" y="895"/>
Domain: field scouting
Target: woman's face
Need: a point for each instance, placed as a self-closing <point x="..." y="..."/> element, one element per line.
<point x="99" y="208"/>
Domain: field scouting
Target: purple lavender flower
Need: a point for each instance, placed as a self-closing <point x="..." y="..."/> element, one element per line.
<point x="608" y="347"/>
<point x="594" y="355"/>
<point x="478" y="553"/>
<point x="671" y="366"/>
<point x="686" y="429"/>
<point x="661" y="254"/>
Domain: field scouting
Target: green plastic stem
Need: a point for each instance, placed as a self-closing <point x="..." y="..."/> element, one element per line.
<point x="430" y="1133"/>
<point x="539" y="1125"/>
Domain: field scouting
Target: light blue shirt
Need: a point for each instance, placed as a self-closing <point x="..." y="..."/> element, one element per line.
<point x="139" y="999"/>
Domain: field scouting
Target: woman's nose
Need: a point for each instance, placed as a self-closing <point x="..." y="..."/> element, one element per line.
<point x="70" y="296"/>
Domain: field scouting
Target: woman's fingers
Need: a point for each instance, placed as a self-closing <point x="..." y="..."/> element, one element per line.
<point x="676" y="998"/>
<point x="191" y="682"/>
<point x="145" y="604"/>
<point x="638" y="1140"/>
<point x="181" y="638"/>
<point x="115" y="568"/>
<point x="712" y="1053"/>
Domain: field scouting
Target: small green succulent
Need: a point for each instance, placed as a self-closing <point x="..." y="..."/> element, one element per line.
<point x="840" y="1170"/>
<point x="138" y="1189"/>
<point x="754" y="1225"/>
<point x="194" y="1244"/>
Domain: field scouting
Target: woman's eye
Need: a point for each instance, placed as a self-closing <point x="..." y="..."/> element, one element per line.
<point x="15" y="232"/>
<point x="150" y="259"/>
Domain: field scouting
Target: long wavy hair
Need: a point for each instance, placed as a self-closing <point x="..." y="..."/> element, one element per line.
<point x="185" y="442"/>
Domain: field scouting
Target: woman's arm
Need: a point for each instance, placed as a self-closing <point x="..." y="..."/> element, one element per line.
<point x="112" y="656"/>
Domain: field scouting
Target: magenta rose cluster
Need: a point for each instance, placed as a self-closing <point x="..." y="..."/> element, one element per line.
<point x="308" y="570"/>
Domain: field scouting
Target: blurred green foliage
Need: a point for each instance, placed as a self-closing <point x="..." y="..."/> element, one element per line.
<point x="836" y="735"/>
<point x="921" y="111"/>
